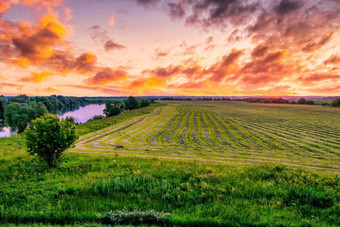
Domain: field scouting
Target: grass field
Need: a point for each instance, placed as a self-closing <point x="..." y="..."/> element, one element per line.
<point x="204" y="163"/>
<point x="227" y="132"/>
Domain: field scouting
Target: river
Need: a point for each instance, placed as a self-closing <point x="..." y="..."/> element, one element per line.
<point x="81" y="115"/>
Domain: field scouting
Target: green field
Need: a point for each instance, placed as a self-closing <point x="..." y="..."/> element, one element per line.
<point x="203" y="162"/>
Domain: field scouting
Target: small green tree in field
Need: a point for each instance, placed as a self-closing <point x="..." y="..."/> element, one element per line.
<point x="48" y="137"/>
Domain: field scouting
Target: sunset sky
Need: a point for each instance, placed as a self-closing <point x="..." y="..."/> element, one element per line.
<point x="170" y="47"/>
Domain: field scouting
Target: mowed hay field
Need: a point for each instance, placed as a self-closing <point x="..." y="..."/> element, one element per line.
<point x="227" y="132"/>
<point x="204" y="163"/>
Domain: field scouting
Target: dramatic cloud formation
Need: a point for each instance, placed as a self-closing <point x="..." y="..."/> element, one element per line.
<point x="170" y="47"/>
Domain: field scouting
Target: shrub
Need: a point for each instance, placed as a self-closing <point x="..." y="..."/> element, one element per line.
<point x="48" y="137"/>
<point x="97" y="117"/>
<point x="111" y="110"/>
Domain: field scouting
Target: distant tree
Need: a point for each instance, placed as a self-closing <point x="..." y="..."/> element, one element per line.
<point x="153" y="100"/>
<point x="293" y="102"/>
<point x="336" y="103"/>
<point x="20" y="99"/>
<point x="302" y="101"/>
<point x="16" y="117"/>
<point x="132" y="103"/>
<point x="48" y="137"/>
<point x="310" y="102"/>
<point x="111" y="110"/>
<point x="119" y="104"/>
<point x="144" y="102"/>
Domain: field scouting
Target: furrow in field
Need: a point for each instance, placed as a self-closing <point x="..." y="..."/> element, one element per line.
<point x="289" y="138"/>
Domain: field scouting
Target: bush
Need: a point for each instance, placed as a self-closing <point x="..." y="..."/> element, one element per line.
<point x="48" y="137"/>
<point x="111" y="110"/>
<point x="97" y="117"/>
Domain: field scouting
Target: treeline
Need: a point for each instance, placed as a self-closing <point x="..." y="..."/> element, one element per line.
<point x="17" y="112"/>
<point x="115" y="107"/>
<point x="301" y="101"/>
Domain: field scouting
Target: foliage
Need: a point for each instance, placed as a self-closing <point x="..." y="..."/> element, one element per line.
<point x="119" y="104"/>
<point x="20" y="99"/>
<point x="56" y="104"/>
<point x="113" y="108"/>
<point x="336" y="103"/>
<point x="48" y="137"/>
<point x="135" y="217"/>
<point x="16" y="117"/>
<point x="35" y="110"/>
<point x="132" y="103"/>
<point x="305" y="101"/>
<point x="144" y="102"/>
<point x="110" y="111"/>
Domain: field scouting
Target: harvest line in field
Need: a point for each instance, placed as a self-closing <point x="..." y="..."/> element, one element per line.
<point x="181" y="130"/>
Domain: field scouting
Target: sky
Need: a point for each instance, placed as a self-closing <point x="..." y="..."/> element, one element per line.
<point x="170" y="47"/>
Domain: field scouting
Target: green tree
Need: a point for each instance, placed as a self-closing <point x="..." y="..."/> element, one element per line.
<point x="111" y="109"/>
<point x="48" y="137"/>
<point x="132" y="103"/>
<point x="35" y="110"/>
<point x="20" y="99"/>
<point x="144" y="102"/>
<point x="16" y="117"/>
<point x="302" y="101"/>
<point x="119" y="103"/>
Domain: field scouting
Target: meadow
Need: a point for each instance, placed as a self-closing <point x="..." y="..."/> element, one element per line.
<point x="198" y="162"/>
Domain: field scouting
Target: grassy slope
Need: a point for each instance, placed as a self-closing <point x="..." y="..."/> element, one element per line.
<point x="193" y="192"/>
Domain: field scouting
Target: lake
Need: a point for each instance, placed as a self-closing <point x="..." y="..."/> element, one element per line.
<point x="81" y="115"/>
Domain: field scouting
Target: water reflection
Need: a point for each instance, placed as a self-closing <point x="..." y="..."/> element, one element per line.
<point x="85" y="113"/>
<point x="80" y="115"/>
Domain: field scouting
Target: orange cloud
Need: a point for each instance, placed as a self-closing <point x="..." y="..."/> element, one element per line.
<point x="107" y="76"/>
<point x="37" y="77"/>
<point x="111" y="21"/>
<point x="38" y="46"/>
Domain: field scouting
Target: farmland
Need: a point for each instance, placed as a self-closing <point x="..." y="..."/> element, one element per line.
<point x="227" y="132"/>
<point x="203" y="162"/>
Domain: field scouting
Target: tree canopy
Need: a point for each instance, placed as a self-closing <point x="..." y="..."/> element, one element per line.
<point x="48" y="137"/>
<point x="132" y="103"/>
